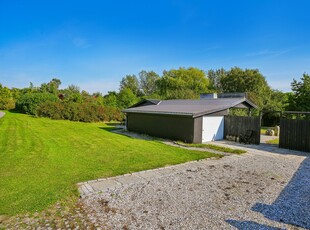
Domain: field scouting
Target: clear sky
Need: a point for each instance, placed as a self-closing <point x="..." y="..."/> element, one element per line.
<point x="93" y="44"/>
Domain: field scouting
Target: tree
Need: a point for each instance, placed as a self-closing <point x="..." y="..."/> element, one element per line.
<point x="182" y="83"/>
<point x="72" y="93"/>
<point x="299" y="100"/>
<point x="250" y="81"/>
<point x="278" y="101"/>
<point x="130" y="82"/>
<point x="7" y="100"/>
<point x="215" y="77"/>
<point x="29" y="102"/>
<point x="148" y="82"/>
<point x="126" y="98"/>
<point x="51" y="87"/>
<point x="110" y="99"/>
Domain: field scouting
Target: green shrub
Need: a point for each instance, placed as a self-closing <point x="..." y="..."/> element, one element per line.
<point x="85" y="112"/>
<point x="29" y="102"/>
<point x="7" y="103"/>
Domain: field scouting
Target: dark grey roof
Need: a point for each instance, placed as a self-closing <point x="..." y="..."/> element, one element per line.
<point x="193" y="108"/>
<point x="146" y="102"/>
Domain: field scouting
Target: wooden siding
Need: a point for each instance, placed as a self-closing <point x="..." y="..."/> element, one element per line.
<point x="238" y="125"/>
<point x="180" y="128"/>
<point x="295" y="134"/>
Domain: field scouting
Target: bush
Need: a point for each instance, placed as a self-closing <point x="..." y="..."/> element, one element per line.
<point x="29" y="102"/>
<point x="7" y="103"/>
<point x="85" y="112"/>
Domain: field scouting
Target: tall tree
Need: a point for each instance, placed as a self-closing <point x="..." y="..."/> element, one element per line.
<point x="248" y="80"/>
<point x="111" y="99"/>
<point x="215" y="77"/>
<point x="148" y="82"/>
<point x="183" y="83"/>
<point x="51" y="87"/>
<point x="299" y="100"/>
<point x="130" y="82"/>
<point x="126" y="98"/>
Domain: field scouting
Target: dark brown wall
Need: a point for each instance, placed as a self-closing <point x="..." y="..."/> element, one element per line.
<point x="172" y="127"/>
<point x="238" y="125"/>
<point x="295" y="134"/>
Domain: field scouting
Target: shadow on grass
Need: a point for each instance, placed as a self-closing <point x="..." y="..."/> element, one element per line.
<point x="292" y="206"/>
<point x="109" y="128"/>
<point x="113" y="123"/>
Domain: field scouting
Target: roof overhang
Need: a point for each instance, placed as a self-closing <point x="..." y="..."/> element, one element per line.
<point x="242" y="101"/>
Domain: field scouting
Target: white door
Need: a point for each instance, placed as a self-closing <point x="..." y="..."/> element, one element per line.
<point x="212" y="128"/>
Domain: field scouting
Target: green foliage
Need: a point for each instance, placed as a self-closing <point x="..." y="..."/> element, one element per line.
<point x="72" y="93"/>
<point x="7" y="100"/>
<point x="130" y="82"/>
<point x="182" y="83"/>
<point x="110" y="99"/>
<point x="299" y="99"/>
<point x="29" y="102"/>
<point x="238" y="112"/>
<point x="215" y="77"/>
<point x="126" y="98"/>
<point x="248" y="80"/>
<point x="51" y="87"/>
<point x="42" y="160"/>
<point x="85" y="112"/>
<point x="148" y="82"/>
<point x="272" y="111"/>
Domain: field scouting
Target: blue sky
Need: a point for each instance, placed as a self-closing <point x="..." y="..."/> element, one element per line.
<point x="93" y="44"/>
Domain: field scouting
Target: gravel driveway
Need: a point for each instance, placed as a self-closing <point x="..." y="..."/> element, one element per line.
<point x="258" y="190"/>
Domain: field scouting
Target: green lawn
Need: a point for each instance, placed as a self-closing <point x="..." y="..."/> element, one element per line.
<point x="274" y="141"/>
<point x="264" y="129"/>
<point x="43" y="159"/>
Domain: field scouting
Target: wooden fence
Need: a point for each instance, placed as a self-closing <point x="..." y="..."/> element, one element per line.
<point x="295" y="134"/>
<point x="238" y="125"/>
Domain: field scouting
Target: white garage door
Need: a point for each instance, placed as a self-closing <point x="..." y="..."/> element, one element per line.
<point x="212" y="128"/>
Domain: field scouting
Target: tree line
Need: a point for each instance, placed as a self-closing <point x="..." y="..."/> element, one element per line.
<point x="72" y="103"/>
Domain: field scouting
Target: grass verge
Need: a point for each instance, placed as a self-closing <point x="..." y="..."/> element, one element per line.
<point x="213" y="147"/>
<point x="43" y="159"/>
<point x="274" y="141"/>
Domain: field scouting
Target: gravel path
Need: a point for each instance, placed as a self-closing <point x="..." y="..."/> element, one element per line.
<point x="258" y="190"/>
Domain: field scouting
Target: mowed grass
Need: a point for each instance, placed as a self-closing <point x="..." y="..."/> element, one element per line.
<point x="43" y="159"/>
<point x="274" y="141"/>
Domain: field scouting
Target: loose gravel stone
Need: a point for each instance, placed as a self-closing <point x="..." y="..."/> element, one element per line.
<point x="244" y="192"/>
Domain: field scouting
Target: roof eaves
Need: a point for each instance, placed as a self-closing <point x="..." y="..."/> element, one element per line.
<point x="246" y="101"/>
<point x="158" y="112"/>
<point x="144" y="100"/>
<point x="211" y="111"/>
<point x="251" y="103"/>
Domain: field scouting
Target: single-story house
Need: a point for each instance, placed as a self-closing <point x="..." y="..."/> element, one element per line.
<point x="191" y="121"/>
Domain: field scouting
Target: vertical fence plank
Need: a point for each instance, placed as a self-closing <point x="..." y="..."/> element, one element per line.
<point x="237" y="125"/>
<point x="295" y="134"/>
